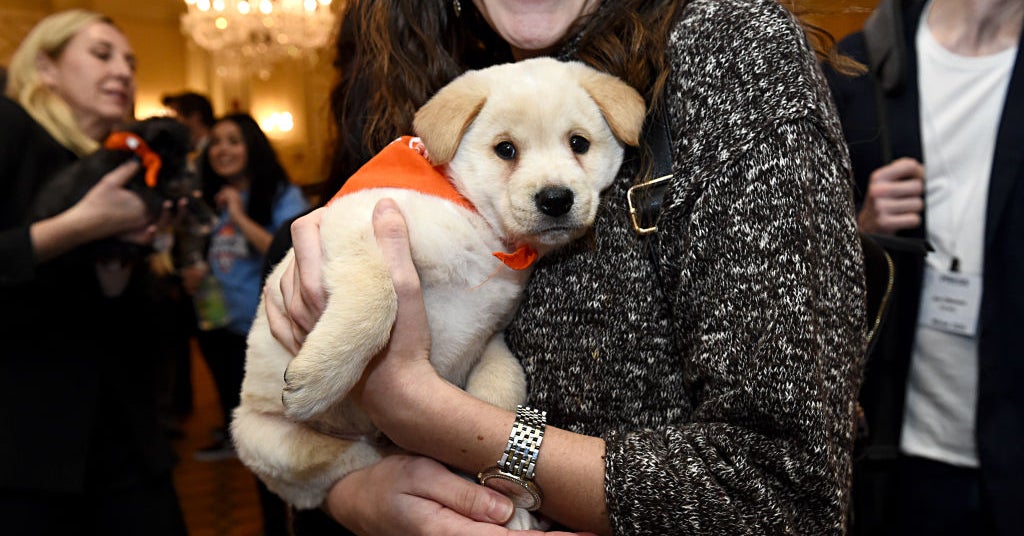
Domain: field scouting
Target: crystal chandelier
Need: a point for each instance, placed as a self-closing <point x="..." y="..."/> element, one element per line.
<point x="259" y="32"/>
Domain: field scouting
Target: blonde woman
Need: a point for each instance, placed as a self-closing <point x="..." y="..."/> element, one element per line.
<point x="81" y="446"/>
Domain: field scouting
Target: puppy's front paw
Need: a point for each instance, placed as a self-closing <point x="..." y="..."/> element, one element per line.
<point x="522" y="519"/>
<point x="305" y="394"/>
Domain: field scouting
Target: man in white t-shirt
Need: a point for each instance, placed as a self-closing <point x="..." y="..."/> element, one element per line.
<point x="942" y="392"/>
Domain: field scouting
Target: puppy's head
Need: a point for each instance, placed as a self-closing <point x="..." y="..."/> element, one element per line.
<point x="532" y="144"/>
<point x="169" y="139"/>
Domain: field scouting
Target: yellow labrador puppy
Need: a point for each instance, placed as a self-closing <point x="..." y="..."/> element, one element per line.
<point x="528" y="147"/>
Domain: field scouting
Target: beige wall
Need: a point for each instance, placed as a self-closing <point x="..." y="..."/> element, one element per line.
<point x="168" y="63"/>
<point x="839" y="17"/>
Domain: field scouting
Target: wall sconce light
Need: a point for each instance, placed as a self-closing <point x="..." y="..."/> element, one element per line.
<point x="147" y="107"/>
<point x="278" y="123"/>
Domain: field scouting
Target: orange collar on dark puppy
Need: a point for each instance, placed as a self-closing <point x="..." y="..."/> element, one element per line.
<point x="129" y="141"/>
<point x="403" y="164"/>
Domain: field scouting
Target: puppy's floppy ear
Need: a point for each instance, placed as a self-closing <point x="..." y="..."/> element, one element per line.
<point x="442" y="121"/>
<point x="622" y="106"/>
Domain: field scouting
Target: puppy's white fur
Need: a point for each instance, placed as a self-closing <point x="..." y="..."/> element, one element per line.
<point x="295" y="427"/>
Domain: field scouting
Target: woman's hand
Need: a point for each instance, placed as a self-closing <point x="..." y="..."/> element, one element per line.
<point x="895" y="198"/>
<point x="192" y="277"/>
<point x="402" y="375"/>
<point x="107" y="209"/>
<point x="421" y="412"/>
<point x="230" y="198"/>
<point x="301" y="286"/>
<point x="146" y="234"/>
<point x="305" y="298"/>
<point x="412" y="495"/>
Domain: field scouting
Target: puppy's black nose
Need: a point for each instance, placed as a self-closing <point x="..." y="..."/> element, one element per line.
<point x="554" y="200"/>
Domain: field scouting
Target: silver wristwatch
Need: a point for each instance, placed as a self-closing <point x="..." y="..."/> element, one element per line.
<point x="513" y="475"/>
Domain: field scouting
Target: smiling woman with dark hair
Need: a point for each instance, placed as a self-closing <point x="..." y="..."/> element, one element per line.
<point x="244" y="179"/>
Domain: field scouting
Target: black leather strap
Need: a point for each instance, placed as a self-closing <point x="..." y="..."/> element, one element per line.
<point x="657" y="134"/>
<point x="648" y="196"/>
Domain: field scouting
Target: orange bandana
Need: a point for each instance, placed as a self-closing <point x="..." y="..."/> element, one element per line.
<point x="403" y="164"/>
<point x="129" y="141"/>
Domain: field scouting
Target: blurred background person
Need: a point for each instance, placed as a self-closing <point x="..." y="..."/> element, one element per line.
<point x="183" y="245"/>
<point x="934" y="132"/>
<point x="243" y="178"/>
<point x="195" y="112"/>
<point x="82" y="448"/>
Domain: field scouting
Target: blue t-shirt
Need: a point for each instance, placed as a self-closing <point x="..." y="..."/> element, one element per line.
<point x="237" y="266"/>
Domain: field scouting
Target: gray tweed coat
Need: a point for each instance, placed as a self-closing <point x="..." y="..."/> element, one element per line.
<point x="723" y="378"/>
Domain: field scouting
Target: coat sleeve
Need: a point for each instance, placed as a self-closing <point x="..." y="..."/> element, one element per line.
<point x="771" y="315"/>
<point x="15" y="193"/>
<point x="769" y="304"/>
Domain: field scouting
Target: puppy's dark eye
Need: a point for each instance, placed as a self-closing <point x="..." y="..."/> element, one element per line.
<point x="505" y="150"/>
<point x="579" y="144"/>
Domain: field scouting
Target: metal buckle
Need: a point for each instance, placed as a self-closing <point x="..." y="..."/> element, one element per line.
<point x="633" y="213"/>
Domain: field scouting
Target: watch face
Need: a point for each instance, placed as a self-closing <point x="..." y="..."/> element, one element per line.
<point x="516" y="490"/>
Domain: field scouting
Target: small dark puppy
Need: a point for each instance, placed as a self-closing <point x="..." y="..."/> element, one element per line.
<point x="162" y="145"/>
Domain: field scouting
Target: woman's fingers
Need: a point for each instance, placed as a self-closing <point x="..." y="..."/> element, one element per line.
<point x="894" y="199"/>
<point x="277" y="318"/>
<point x="401" y="377"/>
<point x="417" y="495"/>
<point x="119" y="176"/>
<point x="302" y="294"/>
<point x="411" y="332"/>
<point x="109" y="209"/>
<point x="431" y="480"/>
<point x="306" y="296"/>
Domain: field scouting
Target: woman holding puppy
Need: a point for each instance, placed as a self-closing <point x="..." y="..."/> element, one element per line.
<point x="82" y="448"/>
<point x="699" y="377"/>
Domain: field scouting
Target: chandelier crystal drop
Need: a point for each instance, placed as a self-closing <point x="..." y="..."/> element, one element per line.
<point x="260" y="32"/>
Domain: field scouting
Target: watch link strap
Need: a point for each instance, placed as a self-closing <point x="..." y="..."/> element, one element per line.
<point x="520" y="455"/>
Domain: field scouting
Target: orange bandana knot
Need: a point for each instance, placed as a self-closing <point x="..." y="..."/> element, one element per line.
<point x="519" y="259"/>
<point x="129" y="141"/>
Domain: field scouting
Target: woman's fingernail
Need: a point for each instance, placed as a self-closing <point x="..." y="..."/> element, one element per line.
<point x="386" y="205"/>
<point x="501" y="510"/>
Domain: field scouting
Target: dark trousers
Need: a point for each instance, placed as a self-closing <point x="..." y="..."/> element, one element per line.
<point x="224" y="353"/>
<point x="147" y="507"/>
<point x="316" y="523"/>
<point x="175" y="323"/>
<point x="275" y="512"/>
<point x="939" y="499"/>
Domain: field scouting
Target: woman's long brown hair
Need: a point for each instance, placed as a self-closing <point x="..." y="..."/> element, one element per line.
<point x="392" y="55"/>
